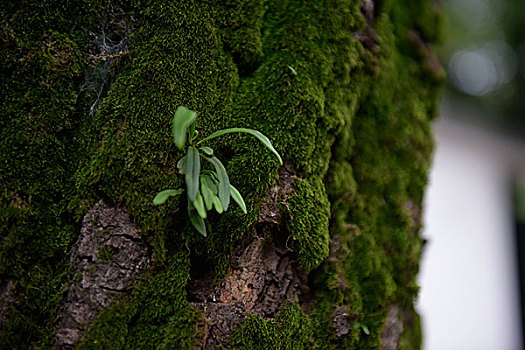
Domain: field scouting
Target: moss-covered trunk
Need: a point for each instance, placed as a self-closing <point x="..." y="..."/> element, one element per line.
<point x="328" y="253"/>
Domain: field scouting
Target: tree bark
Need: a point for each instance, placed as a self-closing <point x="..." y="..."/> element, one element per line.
<point x="328" y="253"/>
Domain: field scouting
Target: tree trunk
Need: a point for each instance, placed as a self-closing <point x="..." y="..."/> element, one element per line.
<point x="328" y="253"/>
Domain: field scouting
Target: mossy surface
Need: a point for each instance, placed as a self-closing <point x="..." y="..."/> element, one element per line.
<point x="354" y="123"/>
<point x="290" y="330"/>
<point x="157" y="313"/>
<point x="42" y="57"/>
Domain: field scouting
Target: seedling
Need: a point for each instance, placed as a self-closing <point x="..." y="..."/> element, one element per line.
<point x="206" y="189"/>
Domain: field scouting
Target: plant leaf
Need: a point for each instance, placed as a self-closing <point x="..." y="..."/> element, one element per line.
<point x="217" y="204"/>
<point x="210" y="183"/>
<point x="207" y="150"/>
<point x="181" y="164"/>
<point x="162" y="196"/>
<point x="199" y="205"/>
<point x="224" y="181"/>
<point x="183" y="118"/>
<point x="192" y="169"/>
<point x="196" y="220"/>
<point x="191" y="132"/>
<point x="238" y="198"/>
<point x="207" y="193"/>
<point x="255" y="133"/>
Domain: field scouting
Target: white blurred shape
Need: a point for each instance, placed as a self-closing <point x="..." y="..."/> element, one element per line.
<point x="479" y="71"/>
<point x="469" y="295"/>
<point x="504" y="58"/>
<point x="473" y="72"/>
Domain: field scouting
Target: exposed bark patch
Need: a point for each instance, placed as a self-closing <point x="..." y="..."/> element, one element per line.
<point x="336" y="245"/>
<point x="369" y="37"/>
<point x="338" y="252"/>
<point x="367" y="7"/>
<point x="371" y="10"/>
<point x="7" y="298"/>
<point x="107" y="257"/>
<point x="342" y="321"/>
<point x="272" y="205"/>
<point x="261" y="279"/>
<point x="392" y="331"/>
<point x="432" y="61"/>
<point x="415" y="216"/>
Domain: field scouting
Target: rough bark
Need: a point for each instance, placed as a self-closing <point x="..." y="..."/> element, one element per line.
<point x="106" y="259"/>
<point x="261" y="278"/>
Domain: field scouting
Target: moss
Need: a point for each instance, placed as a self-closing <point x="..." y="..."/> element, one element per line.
<point x="385" y="161"/>
<point x="291" y="329"/>
<point x="354" y="123"/>
<point x="241" y="23"/>
<point x="42" y="58"/>
<point x="411" y="336"/>
<point x="391" y="164"/>
<point x="310" y="211"/>
<point x="157" y="313"/>
<point x="171" y="62"/>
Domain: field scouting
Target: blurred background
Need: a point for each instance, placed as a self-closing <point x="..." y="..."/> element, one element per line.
<point x="473" y="269"/>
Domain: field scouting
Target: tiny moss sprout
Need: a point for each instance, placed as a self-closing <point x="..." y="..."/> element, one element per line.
<point x="206" y="188"/>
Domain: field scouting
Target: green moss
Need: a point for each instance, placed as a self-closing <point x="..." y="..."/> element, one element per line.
<point x="391" y="163"/>
<point x="411" y="336"/>
<point x="291" y="329"/>
<point x="157" y="314"/>
<point x="388" y="152"/>
<point x="354" y="123"/>
<point x="172" y="61"/>
<point x="308" y="227"/>
<point x="241" y="24"/>
<point x="42" y="58"/>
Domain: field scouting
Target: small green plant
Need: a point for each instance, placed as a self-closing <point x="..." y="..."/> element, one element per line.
<point x="206" y="188"/>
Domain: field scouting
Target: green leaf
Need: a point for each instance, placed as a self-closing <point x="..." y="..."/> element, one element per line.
<point x="199" y="205"/>
<point x="181" y="164"/>
<point x="183" y="118"/>
<point x="196" y="220"/>
<point x="238" y="198"/>
<point x="162" y="196"/>
<point x="224" y="181"/>
<point x="255" y="133"/>
<point x="217" y="204"/>
<point x="192" y="169"/>
<point x="207" y="150"/>
<point x="210" y="183"/>
<point x="191" y="132"/>
<point x="207" y="193"/>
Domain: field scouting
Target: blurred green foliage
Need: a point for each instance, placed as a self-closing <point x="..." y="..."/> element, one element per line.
<point x="484" y="45"/>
